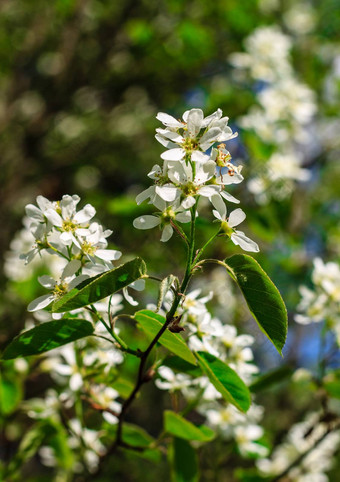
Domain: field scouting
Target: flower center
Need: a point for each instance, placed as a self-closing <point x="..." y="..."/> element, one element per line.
<point x="189" y="189"/>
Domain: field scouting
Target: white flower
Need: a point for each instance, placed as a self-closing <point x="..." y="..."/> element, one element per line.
<point x="169" y="213"/>
<point x="227" y="225"/>
<point x="192" y="143"/>
<point x="67" y="281"/>
<point x="171" y="381"/>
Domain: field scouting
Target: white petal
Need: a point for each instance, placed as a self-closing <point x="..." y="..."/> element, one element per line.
<point x="34" y="212"/>
<point x="40" y="303"/>
<point x="66" y="238"/>
<point x="85" y="214"/>
<point x="155" y="172"/>
<point x="76" y="281"/>
<point x="215" y="116"/>
<point x="168" y="120"/>
<point x="167" y="193"/>
<point x="148" y="193"/>
<point x="244" y="242"/>
<point x="47" y="282"/>
<point x="208" y="139"/>
<point x="54" y="218"/>
<point x="194" y="122"/>
<point x="76" y="382"/>
<point x="227" y="179"/>
<point x="167" y="233"/>
<point x="146" y="222"/>
<point x="171" y="135"/>
<point x="138" y="285"/>
<point x="176" y="154"/>
<point x="165" y="142"/>
<point x="184" y="217"/>
<point x="207" y="191"/>
<point x="236" y="217"/>
<point x="71" y="268"/>
<point x="129" y="298"/>
<point x="108" y="254"/>
<point x="229" y="197"/>
<point x="198" y="156"/>
<point x="217" y="215"/>
<point x="110" y="418"/>
<point x="218" y="203"/>
<point x="188" y="202"/>
<point x="44" y="203"/>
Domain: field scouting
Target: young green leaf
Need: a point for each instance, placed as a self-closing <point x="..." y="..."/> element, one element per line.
<point x="151" y="323"/>
<point x="262" y="297"/>
<point x="184" y="463"/>
<point x="47" y="336"/>
<point x="164" y="288"/>
<point x="101" y="286"/>
<point x="225" y="380"/>
<point x="182" y="428"/>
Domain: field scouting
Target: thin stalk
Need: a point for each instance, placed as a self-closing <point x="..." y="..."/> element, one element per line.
<point x="142" y="376"/>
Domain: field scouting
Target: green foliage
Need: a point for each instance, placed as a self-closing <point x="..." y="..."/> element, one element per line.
<point x="47" y="336"/>
<point x="182" y="428"/>
<point x="151" y="323"/>
<point x="184" y="462"/>
<point x="10" y="395"/>
<point x="262" y="297"/>
<point x="225" y="380"/>
<point x="101" y="286"/>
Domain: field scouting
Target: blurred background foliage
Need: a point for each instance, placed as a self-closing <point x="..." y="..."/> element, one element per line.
<point x="80" y="84"/>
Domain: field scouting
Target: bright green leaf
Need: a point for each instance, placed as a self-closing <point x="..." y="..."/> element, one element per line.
<point x="262" y="297"/>
<point x="101" y="286"/>
<point x="225" y="380"/>
<point x="10" y="395"/>
<point x="151" y="323"/>
<point x="182" y="428"/>
<point x="47" y="336"/>
<point x="177" y="364"/>
<point x="184" y="463"/>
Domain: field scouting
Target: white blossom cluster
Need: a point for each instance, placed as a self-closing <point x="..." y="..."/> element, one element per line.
<point x="193" y="167"/>
<point x="322" y="303"/>
<point x="78" y="243"/>
<point x="221" y="340"/>
<point x="311" y="437"/>
<point x="283" y="115"/>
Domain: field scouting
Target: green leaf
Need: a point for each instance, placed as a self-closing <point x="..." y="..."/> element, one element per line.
<point x="271" y="378"/>
<point x="225" y="380"/>
<point x="182" y="428"/>
<point x="179" y="365"/>
<point x="151" y="323"/>
<point x="331" y="383"/>
<point x="164" y="288"/>
<point x="262" y="297"/>
<point x="47" y="336"/>
<point x="184" y="463"/>
<point x="101" y="286"/>
<point x="136" y="436"/>
<point x="10" y="395"/>
<point x="124" y="387"/>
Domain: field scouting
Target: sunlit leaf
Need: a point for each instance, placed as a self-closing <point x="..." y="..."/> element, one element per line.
<point x="47" y="336"/>
<point x="262" y="297"/>
<point x="182" y="428"/>
<point x="225" y="380"/>
<point x="100" y="286"/>
<point x="151" y="323"/>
